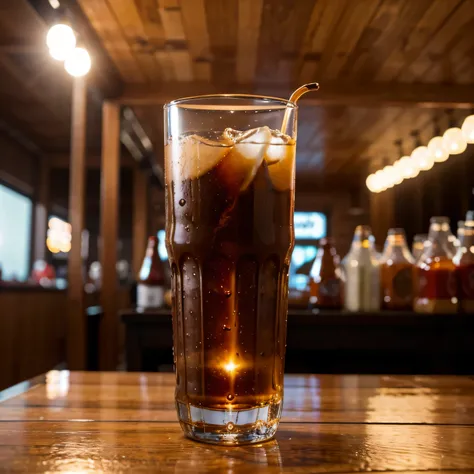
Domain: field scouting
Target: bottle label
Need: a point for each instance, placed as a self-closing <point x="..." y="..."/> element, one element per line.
<point x="436" y="284"/>
<point x="403" y="284"/>
<point x="149" y="296"/>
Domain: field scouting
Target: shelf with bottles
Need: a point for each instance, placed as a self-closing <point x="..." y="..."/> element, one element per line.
<point x="438" y="279"/>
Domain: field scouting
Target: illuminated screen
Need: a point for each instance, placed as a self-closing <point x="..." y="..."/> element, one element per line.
<point x="309" y="226"/>
<point x="15" y="227"/>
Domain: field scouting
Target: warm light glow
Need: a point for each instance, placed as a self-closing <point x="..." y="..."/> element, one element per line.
<point x="397" y="172"/>
<point x="61" y="41"/>
<point x="422" y="158"/>
<point x="409" y="168"/>
<point x="436" y="148"/>
<point x="453" y="141"/>
<point x="380" y="180"/>
<point x="78" y="63"/>
<point x="230" y="367"/>
<point x="58" y="236"/>
<point x="468" y="129"/>
<point x="373" y="183"/>
<point x="388" y="176"/>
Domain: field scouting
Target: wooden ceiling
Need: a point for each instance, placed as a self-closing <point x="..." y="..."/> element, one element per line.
<point x="386" y="67"/>
<point x="269" y="45"/>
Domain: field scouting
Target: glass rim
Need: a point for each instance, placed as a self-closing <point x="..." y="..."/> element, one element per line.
<point x="195" y="99"/>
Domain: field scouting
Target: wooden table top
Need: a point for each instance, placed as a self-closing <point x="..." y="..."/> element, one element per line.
<point x="79" y="422"/>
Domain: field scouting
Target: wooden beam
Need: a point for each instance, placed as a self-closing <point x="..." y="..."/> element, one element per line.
<point x="140" y="218"/>
<point x="108" y="356"/>
<point x="332" y="93"/>
<point x="76" y="327"/>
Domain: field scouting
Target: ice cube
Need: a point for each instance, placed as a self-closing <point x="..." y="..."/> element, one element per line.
<point x="282" y="172"/>
<point x="193" y="156"/>
<point x="276" y="151"/>
<point x="241" y="164"/>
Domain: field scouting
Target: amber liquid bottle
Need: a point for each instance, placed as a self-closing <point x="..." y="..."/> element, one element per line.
<point x="150" y="285"/>
<point x="435" y="277"/>
<point x="464" y="261"/>
<point x="326" y="284"/>
<point x="396" y="272"/>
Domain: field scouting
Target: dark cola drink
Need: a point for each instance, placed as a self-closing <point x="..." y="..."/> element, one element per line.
<point x="230" y="200"/>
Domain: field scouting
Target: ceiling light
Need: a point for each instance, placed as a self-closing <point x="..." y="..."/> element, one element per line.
<point x="468" y="129"/>
<point x="422" y="158"/>
<point x="453" y="141"/>
<point x="78" y="63"/>
<point x="61" y="41"/>
<point x="437" y="150"/>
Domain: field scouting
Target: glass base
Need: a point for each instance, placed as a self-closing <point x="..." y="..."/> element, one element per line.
<point x="228" y="426"/>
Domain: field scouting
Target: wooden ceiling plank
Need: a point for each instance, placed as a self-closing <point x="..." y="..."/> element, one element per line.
<point x="306" y="62"/>
<point x="222" y="27"/>
<point x="173" y="27"/>
<point x="197" y="36"/>
<point x="391" y="32"/>
<point x="330" y="16"/>
<point x="417" y="39"/>
<point x="282" y="32"/>
<point x="345" y="37"/>
<point x="249" y="22"/>
<point x="419" y="67"/>
<point x="128" y="18"/>
<point x="104" y="23"/>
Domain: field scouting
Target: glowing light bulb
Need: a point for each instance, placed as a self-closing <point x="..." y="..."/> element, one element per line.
<point x="408" y="167"/>
<point x="372" y="183"/>
<point x="397" y="172"/>
<point x="468" y="129"/>
<point x="453" y="141"/>
<point x="422" y="158"/>
<point x="436" y="148"/>
<point x="380" y="181"/>
<point x="61" y="41"/>
<point x="389" y="176"/>
<point x="78" y="63"/>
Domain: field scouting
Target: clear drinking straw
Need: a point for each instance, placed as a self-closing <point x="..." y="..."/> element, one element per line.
<point x="312" y="86"/>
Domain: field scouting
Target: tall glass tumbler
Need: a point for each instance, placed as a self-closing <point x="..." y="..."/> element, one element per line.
<point x="229" y="234"/>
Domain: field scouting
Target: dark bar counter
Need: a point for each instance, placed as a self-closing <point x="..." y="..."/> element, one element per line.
<point x="334" y="342"/>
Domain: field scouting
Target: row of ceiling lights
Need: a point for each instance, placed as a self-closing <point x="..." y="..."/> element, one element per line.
<point x="62" y="43"/>
<point x="453" y="142"/>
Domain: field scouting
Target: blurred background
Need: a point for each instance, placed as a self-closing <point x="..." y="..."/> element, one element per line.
<point x="81" y="166"/>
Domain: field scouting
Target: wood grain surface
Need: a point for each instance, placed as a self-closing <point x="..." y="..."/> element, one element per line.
<point x="117" y="422"/>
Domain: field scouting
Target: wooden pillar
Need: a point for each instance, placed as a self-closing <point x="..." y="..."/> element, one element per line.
<point x="76" y="327"/>
<point x="41" y="211"/>
<point x="110" y="173"/>
<point x="140" y="218"/>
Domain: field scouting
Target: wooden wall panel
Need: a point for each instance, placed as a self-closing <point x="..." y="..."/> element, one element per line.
<point x="32" y="333"/>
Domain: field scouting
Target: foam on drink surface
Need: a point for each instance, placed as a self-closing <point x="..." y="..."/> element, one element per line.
<point x="238" y="155"/>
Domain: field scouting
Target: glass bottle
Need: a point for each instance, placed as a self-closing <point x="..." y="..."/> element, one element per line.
<point x="361" y="266"/>
<point x="326" y="283"/>
<point x="396" y="272"/>
<point x="460" y="232"/>
<point x="435" y="283"/>
<point x="418" y="246"/>
<point x="150" y="286"/>
<point x="464" y="261"/>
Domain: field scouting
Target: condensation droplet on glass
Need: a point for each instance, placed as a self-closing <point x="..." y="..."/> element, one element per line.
<point x="230" y="397"/>
<point x="230" y="426"/>
<point x="182" y="202"/>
